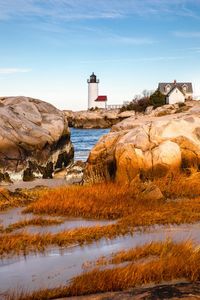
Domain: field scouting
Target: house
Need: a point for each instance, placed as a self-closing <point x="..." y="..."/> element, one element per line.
<point x="176" y="91"/>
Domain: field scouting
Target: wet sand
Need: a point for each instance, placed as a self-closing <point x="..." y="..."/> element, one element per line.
<point x="51" y="183"/>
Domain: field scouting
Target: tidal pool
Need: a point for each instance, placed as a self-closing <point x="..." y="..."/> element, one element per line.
<point x="57" y="266"/>
<point x="14" y="215"/>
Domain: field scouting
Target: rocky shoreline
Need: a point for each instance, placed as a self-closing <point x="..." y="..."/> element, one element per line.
<point x="101" y="118"/>
<point x="97" y="119"/>
<point x="39" y="145"/>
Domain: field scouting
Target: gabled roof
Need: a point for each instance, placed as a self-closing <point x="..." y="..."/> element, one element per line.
<point x="175" y="87"/>
<point x="101" y="98"/>
<point x="162" y="85"/>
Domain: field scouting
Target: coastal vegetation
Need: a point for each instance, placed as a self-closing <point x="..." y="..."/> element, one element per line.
<point x="114" y="201"/>
<point x="124" y="204"/>
<point x="129" y="211"/>
<point x="151" y="263"/>
<point x="37" y="221"/>
<point x="18" y="198"/>
<point x="157" y="99"/>
<point x="139" y="104"/>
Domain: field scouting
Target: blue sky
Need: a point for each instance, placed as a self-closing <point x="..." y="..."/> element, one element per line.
<point x="48" y="48"/>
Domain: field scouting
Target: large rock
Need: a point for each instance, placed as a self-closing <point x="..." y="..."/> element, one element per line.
<point x="34" y="138"/>
<point x="146" y="146"/>
<point x="99" y="118"/>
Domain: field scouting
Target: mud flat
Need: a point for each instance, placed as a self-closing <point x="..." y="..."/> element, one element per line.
<point x="51" y="183"/>
<point x="57" y="266"/>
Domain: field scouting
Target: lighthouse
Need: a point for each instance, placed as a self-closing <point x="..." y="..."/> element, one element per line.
<point x="94" y="100"/>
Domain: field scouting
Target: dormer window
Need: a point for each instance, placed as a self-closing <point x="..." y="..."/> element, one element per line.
<point x="184" y="88"/>
<point x="167" y="88"/>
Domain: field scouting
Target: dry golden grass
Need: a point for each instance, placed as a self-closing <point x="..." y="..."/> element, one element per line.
<point x="107" y="201"/>
<point x="19" y="198"/>
<point x="152" y="249"/>
<point x="124" y="203"/>
<point x="174" y="265"/>
<point x="186" y="211"/>
<point x="24" y="242"/>
<point x="179" y="185"/>
<point x="38" y="221"/>
<point x="173" y="261"/>
<point x="95" y="201"/>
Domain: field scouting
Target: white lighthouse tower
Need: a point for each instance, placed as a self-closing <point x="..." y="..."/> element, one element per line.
<point x="94" y="100"/>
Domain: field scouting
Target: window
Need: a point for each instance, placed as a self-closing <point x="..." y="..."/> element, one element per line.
<point x="167" y="88"/>
<point x="184" y="87"/>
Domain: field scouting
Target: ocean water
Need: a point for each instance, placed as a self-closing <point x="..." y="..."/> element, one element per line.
<point x="83" y="141"/>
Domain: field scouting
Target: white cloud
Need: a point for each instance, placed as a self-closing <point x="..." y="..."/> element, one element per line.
<point x="69" y="10"/>
<point x="13" y="70"/>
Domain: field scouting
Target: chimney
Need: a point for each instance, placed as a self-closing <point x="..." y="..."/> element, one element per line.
<point x="174" y="81"/>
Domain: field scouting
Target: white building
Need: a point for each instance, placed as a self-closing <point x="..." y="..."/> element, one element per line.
<point x="94" y="100"/>
<point x="176" y="91"/>
<point x="175" y="96"/>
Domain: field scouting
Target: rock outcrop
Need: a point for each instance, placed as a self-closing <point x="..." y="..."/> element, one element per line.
<point x="147" y="146"/>
<point x="169" y="109"/>
<point x="96" y="119"/>
<point x="101" y="118"/>
<point x="34" y="138"/>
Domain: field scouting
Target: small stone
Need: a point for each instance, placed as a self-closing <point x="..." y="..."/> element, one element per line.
<point x="151" y="192"/>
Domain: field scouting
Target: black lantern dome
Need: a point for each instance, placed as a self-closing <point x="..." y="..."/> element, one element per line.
<point x="93" y="79"/>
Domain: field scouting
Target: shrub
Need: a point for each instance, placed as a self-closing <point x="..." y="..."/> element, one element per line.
<point x="157" y="99"/>
<point x="181" y="104"/>
<point x="138" y="105"/>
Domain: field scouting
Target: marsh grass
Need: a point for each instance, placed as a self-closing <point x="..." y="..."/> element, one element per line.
<point x="173" y="261"/>
<point x="148" y="250"/>
<point x="19" y="198"/>
<point x="23" y="243"/>
<point x="38" y="221"/>
<point x="102" y="201"/>
<point x="108" y="201"/>
<point x="186" y="211"/>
